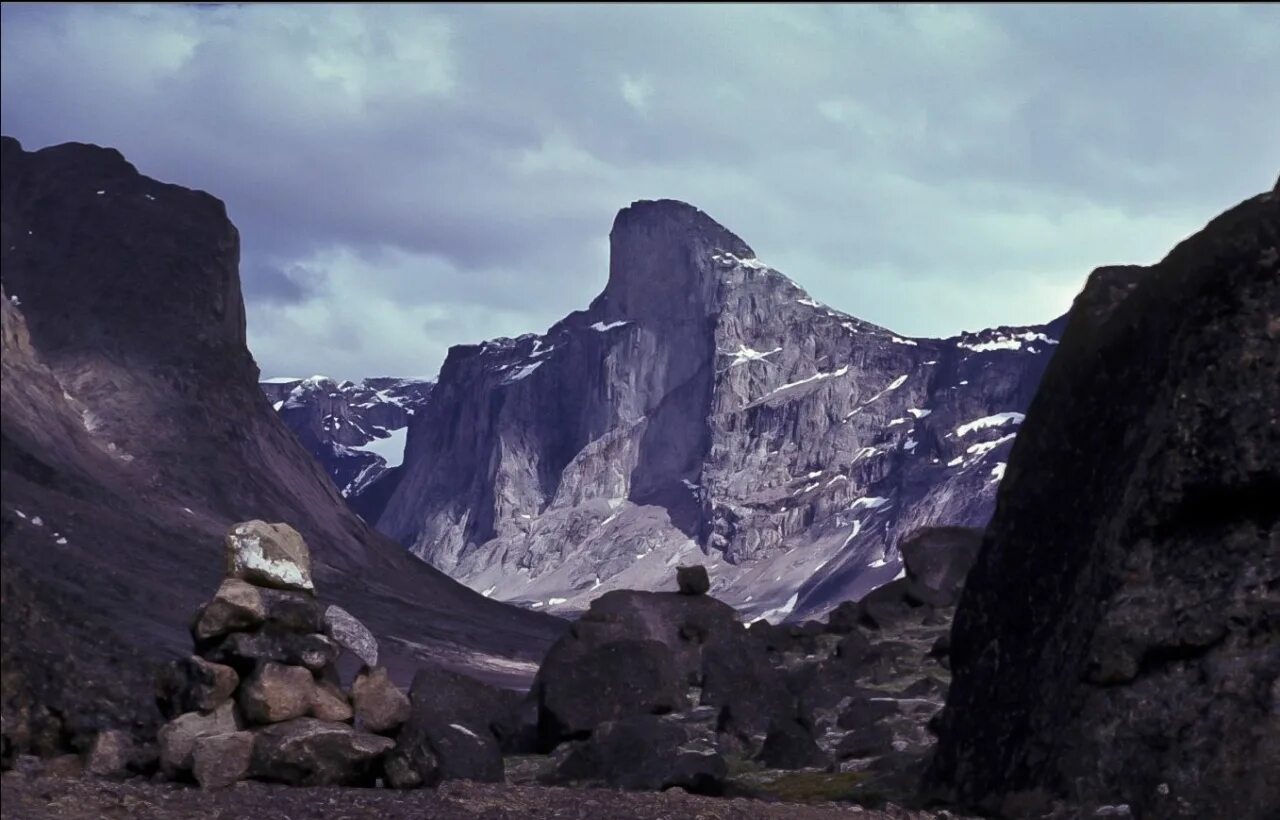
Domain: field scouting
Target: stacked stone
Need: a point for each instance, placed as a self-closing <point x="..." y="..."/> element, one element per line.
<point x="261" y="697"/>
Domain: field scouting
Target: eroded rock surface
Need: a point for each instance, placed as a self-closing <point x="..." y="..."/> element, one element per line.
<point x="1117" y="639"/>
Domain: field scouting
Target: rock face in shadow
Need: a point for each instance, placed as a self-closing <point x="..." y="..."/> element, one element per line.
<point x="135" y="433"/>
<point x="1118" y="639"/>
<point x="704" y="408"/>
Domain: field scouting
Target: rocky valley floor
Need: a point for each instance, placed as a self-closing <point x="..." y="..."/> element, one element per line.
<point x="28" y="797"/>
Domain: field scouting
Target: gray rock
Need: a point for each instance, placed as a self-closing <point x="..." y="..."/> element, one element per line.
<point x="310" y="752"/>
<point x="237" y="605"/>
<point x="275" y="693"/>
<point x="219" y="761"/>
<point x="1121" y="617"/>
<point x="194" y="684"/>
<point x="343" y="628"/>
<point x="270" y="555"/>
<point x="111" y="755"/>
<point x="177" y="737"/>
<point x="379" y="704"/>
<point x="693" y="580"/>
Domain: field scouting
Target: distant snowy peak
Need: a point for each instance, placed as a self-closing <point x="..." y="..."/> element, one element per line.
<point x="356" y="431"/>
<point x="1025" y="340"/>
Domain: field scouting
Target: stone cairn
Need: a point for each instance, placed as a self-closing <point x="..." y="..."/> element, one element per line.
<point x="261" y="696"/>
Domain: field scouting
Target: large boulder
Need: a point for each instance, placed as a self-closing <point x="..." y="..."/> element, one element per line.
<point x="343" y="629"/>
<point x="194" y="684"/>
<point x="1117" y="640"/>
<point x="309" y="752"/>
<point x="682" y="623"/>
<point x="177" y="738"/>
<point x="615" y="680"/>
<point x="939" y="558"/>
<point x="645" y="753"/>
<point x="269" y="555"/>
<point x="430" y="751"/>
<point x="379" y="704"/>
<point x="749" y="692"/>
<point x="790" y="745"/>
<point x="442" y="695"/>
<point x="276" y="692"/>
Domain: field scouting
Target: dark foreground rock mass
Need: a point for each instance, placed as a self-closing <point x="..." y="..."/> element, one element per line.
<point x="1118" y="640"/>
<point x="135" y="433"/>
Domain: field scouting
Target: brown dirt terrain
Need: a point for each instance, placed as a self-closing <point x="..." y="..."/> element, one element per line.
<point x="27" y="797"/>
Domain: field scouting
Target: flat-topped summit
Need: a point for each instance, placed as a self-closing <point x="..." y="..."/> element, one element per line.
<point x="661" y="261"/>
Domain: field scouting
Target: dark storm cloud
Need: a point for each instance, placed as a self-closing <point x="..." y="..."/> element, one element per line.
<point x="269" y="284"/>
<point x="409" y="178"/>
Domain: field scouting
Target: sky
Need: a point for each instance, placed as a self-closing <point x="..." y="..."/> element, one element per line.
<point x="406" y="178"/>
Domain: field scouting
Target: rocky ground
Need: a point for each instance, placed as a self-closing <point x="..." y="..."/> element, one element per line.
<point x="34" y="797"/>
<point x="655" y="695"/>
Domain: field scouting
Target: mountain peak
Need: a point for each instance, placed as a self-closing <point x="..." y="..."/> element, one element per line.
<point x="676" y="221"/>
<point x="660" y="258"/>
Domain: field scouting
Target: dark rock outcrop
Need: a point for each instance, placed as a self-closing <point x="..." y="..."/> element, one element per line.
<point x="614" y="680"/>
<point x="705" y="409"/>
<point x="693" y="580"/>
<point x="791" y="746"/>
<point x="1117" y="640"/>
<point x="134" y="433"/>
<point x="454" y="731"/>
<point x="939" y="558"/>
<point x="439" y="693"/>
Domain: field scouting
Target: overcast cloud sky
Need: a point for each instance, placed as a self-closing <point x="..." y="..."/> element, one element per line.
<point x="405" y="178"/>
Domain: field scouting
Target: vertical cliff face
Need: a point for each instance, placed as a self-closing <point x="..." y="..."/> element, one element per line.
<point x="135" y="433"/>
<point x="705" y="407"/>
<point x="1117" y="640"/>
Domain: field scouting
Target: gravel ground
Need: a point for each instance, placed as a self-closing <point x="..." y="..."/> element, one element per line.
<point x="54" y="798"/>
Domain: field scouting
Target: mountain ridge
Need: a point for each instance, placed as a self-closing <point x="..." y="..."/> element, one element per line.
<point x="694" y="353"/>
